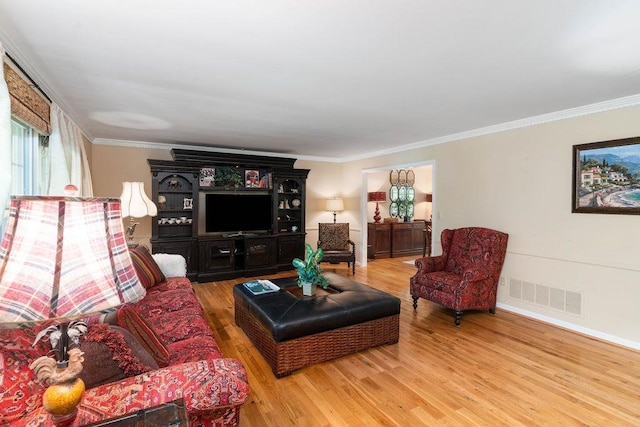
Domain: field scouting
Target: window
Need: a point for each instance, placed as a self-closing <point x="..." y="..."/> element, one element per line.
<point x="29" y="163"/>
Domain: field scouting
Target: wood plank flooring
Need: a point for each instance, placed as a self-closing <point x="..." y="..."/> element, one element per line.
<point x="502" y="370"/>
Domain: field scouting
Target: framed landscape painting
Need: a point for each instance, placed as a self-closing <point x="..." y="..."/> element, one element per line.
<point x="606" y="177"/>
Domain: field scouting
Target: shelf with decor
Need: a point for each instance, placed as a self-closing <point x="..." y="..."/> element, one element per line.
<point x="290" y="205"/>
<point x="174" y="194"/>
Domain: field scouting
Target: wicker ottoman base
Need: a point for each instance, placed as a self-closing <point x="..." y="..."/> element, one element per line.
<point x="287" y="356"/>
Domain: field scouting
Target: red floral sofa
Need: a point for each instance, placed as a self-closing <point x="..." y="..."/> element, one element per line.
<point x="169" y="322"/>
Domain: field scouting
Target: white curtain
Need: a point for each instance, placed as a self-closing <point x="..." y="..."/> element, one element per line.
<point x="5" y="142"/>
<point x="69" y="164"/>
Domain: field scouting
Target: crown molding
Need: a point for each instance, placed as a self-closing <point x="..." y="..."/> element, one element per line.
<point x="628" y="101"/>
<point x="613" y="104"/>
<point x="169" y="146"/>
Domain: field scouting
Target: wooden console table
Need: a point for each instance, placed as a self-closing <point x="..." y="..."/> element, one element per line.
<point x="397" y="239"/>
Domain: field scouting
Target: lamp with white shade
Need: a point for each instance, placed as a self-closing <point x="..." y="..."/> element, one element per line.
<point x="135" y="204"/>
<point x="334" y="205"/>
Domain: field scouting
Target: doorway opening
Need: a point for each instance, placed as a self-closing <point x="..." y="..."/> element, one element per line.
<point x="377" y="179"/>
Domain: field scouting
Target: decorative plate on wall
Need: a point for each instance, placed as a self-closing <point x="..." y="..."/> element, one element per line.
<point x="402" y="210"/>
<point x="393" y="177"/>
<point x="393" y="209"/>
<point x="411" y="194"/>
<point x="402" y="193"/>
<point x="411" y="177"/>
<point x="402" y="177"/>
<point x="393" y="193"/>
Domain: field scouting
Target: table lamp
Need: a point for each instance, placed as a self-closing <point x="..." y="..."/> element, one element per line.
<point x="135" y="204"/>
<point x="63" y="259"/>
<point x="334" y="204"/>
<point x="377" y="196"/>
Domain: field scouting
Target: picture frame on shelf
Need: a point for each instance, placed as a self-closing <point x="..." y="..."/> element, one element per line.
<point x="606" y="177"/>
<point x="266" y="180"/>
<point x="187" y="204"/>
<point x="207" y="177"/>
<point x="252" y="178"/>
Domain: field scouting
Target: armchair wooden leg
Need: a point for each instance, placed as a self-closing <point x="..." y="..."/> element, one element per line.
<point x="458" y="317"/>
<point x="492" y="310"/>
<point x="415" y="303"/>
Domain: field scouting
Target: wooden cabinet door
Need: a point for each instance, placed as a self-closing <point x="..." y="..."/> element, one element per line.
<point x="418" y="236"/>
<point x="188" y="248"/>
<point x="259" y="252"/>
<point x="289" y="247"/>
<point x="378" y="240"/>
<point x="402" y="239"/>
<point x="217" y="255"/>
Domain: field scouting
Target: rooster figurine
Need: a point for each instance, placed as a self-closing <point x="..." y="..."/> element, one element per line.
<point x="47" y="372"/>
<point x="65" y="388"/>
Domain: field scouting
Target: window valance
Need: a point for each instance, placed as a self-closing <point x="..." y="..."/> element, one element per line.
<point x="26" y="103"/>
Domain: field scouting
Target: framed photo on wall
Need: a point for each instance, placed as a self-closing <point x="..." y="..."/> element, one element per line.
<point x="606" y="177"/>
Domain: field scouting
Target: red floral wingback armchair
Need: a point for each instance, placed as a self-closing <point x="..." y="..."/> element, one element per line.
<point x="465" y="276"/>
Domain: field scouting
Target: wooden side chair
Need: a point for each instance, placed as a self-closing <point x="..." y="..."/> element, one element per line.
<point x="334" y="241"/>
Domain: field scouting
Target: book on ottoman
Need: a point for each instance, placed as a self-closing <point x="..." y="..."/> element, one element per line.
<point x="258" y="287"/>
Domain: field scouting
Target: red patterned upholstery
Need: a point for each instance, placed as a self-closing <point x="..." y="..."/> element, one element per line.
<point x="212" y="391"/>
<point x="195" y="348"/>
<point x="20" y="391"/>
<point x="129" y="318"/>
<point x="147" y="270"/>
<point x="187" y="323"/>
<point x="168" y="302"/>
<point x="465" y="276"/>
<point x="212" y="387"/>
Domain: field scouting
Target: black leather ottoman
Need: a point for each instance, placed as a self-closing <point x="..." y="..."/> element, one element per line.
<point x="292" y="331"/>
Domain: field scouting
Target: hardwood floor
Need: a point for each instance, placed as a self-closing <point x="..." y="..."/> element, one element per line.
<point x="493" y="370"/>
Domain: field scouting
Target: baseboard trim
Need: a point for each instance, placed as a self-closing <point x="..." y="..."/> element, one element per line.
<point x="572" y="327"/>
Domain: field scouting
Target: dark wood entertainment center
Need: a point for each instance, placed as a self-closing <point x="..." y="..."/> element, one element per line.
<point x="179" y="188"/>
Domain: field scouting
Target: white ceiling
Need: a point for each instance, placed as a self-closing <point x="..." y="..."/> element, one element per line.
<point x="322" y="78"/>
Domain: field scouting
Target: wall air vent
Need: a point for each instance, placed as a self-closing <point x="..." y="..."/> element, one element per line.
<point x="546" y="296"/>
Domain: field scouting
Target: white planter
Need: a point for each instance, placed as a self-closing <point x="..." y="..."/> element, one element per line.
<point x="308" y="289"/>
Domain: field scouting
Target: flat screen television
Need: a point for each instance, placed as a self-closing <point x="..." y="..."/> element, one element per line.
<point x="236" y="212"/>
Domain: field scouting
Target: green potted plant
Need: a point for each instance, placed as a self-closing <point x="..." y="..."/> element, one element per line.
<point x="309" y="272"/>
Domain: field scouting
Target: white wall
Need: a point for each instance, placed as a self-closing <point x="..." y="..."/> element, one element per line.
<point x="519" y="182"/>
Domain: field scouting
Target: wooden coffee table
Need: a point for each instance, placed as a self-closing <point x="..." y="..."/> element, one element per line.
<point x="292" y="331"/>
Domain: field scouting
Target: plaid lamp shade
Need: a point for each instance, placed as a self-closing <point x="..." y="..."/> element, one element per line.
<point x="64" y="258"/>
